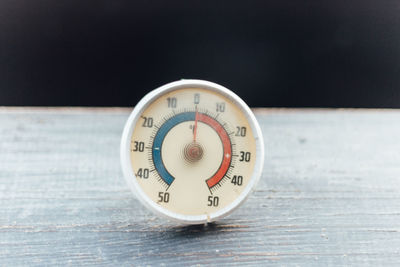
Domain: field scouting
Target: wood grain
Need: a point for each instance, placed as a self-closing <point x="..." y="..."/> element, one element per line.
<point x="329" y="194"/>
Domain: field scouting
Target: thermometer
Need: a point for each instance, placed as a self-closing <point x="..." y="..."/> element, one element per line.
<point x="192" y="151"/>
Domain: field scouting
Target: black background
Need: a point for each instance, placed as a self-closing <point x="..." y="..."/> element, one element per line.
<point x="271" y="53"/>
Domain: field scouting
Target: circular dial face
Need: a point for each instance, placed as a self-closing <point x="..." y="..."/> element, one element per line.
<point x="193" y="152"/>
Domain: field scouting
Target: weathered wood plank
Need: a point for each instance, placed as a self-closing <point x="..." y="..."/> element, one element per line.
<point x="329" y="195"/>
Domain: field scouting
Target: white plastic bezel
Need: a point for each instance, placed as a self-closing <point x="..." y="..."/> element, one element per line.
<point x="126" y="156"/>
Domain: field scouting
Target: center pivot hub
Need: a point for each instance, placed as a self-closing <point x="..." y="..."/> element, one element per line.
<point x="193" y="152"/>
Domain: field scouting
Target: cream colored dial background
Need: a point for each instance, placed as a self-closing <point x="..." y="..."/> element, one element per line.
<point x="189" y="193"/>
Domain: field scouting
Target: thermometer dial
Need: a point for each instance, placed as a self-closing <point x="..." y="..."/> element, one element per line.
<point x="192" y="151"/>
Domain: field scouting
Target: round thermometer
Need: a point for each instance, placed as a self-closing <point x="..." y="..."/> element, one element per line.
<point x="192" y="151"/>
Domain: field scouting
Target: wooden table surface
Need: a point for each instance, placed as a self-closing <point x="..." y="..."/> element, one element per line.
<point x="329" y="194"/>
